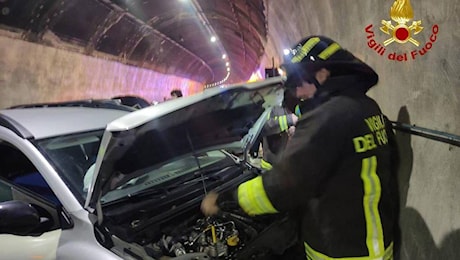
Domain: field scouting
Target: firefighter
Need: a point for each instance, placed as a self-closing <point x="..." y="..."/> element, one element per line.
<point x="338" y="170"/>
<point x="279" y="127"/>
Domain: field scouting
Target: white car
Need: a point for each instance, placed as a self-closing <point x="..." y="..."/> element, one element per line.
<point x="79" y="182"/>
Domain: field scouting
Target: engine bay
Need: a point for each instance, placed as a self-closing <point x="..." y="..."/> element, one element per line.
<point x="219" y="237"/>
<point x="228" y="235"/>
<point x="170" y="225"/>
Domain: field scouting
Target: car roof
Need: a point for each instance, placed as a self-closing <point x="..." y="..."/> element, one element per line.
<point x="45" y="122"/>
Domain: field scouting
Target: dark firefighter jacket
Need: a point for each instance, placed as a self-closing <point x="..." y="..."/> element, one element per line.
<point x="338" y="172"/>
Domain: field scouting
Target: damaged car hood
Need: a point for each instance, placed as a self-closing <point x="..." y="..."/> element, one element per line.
<point x="135" y="144"/>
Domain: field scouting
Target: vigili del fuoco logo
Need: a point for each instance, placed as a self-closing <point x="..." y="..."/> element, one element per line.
<point x="401" y="32"/>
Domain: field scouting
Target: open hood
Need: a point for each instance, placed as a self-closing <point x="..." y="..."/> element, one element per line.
<point x="158" y="134"/>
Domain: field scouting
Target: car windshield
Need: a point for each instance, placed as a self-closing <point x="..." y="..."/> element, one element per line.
<point x="181" y="171"/>
<point x="74" y="157"/>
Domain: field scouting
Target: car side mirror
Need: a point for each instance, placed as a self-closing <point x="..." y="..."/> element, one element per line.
<point x="18" y="218"/>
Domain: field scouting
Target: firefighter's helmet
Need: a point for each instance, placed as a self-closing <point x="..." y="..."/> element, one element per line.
<point x="316" y="52"/>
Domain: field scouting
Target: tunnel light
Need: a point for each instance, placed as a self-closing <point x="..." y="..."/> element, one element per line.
<point x="224" y="56"/>
<point x="218" y="83"/>
<point x="286" y="51"/>
<point x="213" y="39"/>
<point x="227" y="64"/>
<point x="228" y="69"/>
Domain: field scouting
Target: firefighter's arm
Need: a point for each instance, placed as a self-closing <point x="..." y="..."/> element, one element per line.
<point x="303" y="169"/>
<point x="250" y="196"/>
<point x="279" y="123"/>
<point x="298" y="175"/>
<point x="295" y="178"/>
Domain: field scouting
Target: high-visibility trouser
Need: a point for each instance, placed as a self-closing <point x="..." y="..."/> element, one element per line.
<point x="315" y="255"/>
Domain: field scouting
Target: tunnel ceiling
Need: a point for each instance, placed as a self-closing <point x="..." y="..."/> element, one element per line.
<point x="168" y="36"/>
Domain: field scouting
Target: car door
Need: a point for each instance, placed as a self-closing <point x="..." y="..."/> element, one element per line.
<point x="20" y="181"/>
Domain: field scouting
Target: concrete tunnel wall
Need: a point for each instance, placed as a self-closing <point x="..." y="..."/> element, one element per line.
<point x="424" y="91"/>
<point x="33" y="73"/>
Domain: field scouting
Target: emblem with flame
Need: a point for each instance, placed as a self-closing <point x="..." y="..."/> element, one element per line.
<point x="401" y="12"/>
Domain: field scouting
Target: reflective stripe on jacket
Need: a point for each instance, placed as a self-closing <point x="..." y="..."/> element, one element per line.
<point x="265" y="165"/>
<point x="253" y="199"/>
<point x="314" y="255"/>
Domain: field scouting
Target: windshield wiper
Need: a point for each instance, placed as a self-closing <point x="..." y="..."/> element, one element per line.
<point x="167" y="189"/>
<point x="193" y="181"/>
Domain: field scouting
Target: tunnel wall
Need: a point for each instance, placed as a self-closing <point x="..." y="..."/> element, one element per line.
<point x="422" y="91"/>
<point x="34" y="73"/>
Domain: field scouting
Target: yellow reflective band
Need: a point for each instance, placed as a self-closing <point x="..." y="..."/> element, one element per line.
<point x="253" y="199"/>
<point x="282" y="120"/>
<point x="388" y="252"/>
<point x="331" y="49"/>
<point x="265" y="165"/>
<point x="297" y="111"/>
<point x="315" y="255"/>
<point x="372" y="193"/>
<point x="305" y="49"/>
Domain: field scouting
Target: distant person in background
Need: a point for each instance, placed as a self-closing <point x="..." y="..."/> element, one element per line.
<point x="176" y="93"/>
